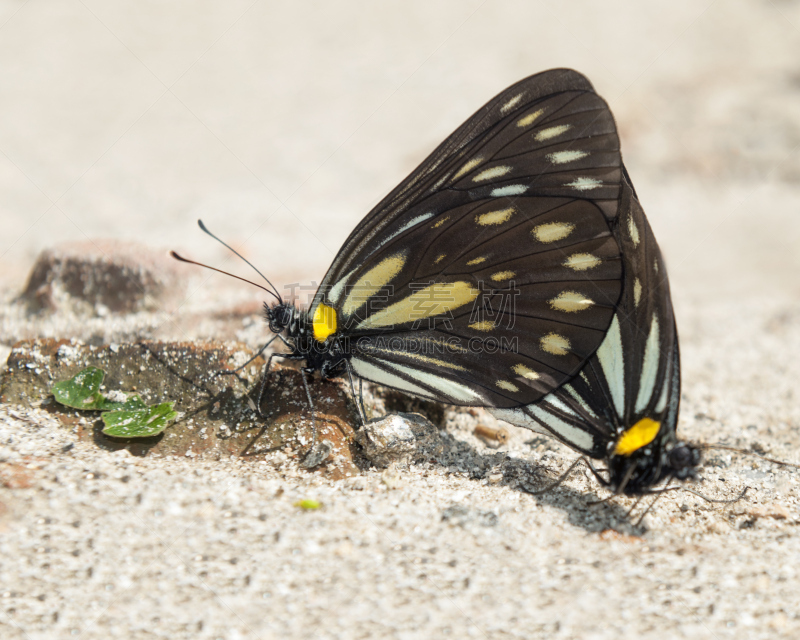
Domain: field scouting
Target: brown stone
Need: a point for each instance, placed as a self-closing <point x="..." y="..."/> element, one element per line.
<point x="99" y="276"/>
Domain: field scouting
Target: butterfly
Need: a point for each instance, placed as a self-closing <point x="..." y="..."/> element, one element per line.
<point x="515" y="269"/>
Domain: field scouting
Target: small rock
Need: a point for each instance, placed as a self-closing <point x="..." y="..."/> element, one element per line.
<point x="399" y="437"/>
<point x="103" y="276"/>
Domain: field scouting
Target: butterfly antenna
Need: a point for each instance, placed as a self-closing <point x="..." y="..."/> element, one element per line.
<point x="748" y="453"/>
<point x="229" y="247"/>
<point x="200" y="264"/>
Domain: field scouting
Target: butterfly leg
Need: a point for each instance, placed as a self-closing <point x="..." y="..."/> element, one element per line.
<point x="258" y="353"/>
<point x="312" y="457"/>
<point x="707" y="499"/>
<point x="264" y="383"/>
<point x="560" y="480"/>
<point x="359" y="399"/>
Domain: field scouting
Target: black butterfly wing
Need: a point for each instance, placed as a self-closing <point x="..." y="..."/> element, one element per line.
<point x="635" y="373"/>
<point x="491" y="275"/>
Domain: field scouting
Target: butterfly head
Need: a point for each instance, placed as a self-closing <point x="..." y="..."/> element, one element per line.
<point x="280" y="316"/>
<point x="648" y="453"/>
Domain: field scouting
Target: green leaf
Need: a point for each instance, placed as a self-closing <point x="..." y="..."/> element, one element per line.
<point x="308" y="504"/>
<point x="82" y="391"/>
<point x="133" y="403"/>
<point x="139" y="423"/>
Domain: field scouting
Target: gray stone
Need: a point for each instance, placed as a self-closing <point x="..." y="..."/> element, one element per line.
<point x="399" y="437"/>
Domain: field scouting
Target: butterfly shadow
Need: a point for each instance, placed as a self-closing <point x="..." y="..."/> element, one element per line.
<point x="589" y="509"/>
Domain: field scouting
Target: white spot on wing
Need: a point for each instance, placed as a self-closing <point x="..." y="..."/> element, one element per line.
<point x="508" y="106"/>
<point x="610" y="356"/>
<point x="336" y="290"/>
<point x="562" y="157"/>
<point x="558" y="403"/>
<point x="649" y="367"/>
<point x="662" y="400"/>
<point x="411" y="223"/>
<point x="519" y="418"/>
<point x="584" y="184"/>
<point x="510" y="190"/>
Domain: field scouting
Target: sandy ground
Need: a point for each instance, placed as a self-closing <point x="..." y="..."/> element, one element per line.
<point x="281" y="125"/>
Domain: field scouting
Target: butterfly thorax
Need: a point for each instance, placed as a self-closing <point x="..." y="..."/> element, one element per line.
<point x="301" y="334"/>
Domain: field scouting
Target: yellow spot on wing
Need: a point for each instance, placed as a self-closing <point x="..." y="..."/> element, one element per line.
<point x="324" y="321"/>
<point x="439" y="258"/>
<point x="525" y="372"/>
<point x="571" y="302"/>
<point x="495" y="217"/>
<point x="475" y="261"/>
<point x="639" y="435"/>
<point x="440" y="222"/>
<point x="468" y="166"/>
<point x="556" y="344"/>
<point x="508" y="386"/>
<point x="492" y="172"/>
<point x="637" y="292"/>
<point x="502" y="275"/>
<point x="633" y="230"/>
<point x="484" y="325"/>
<point x="372" y="282"/>
<point x="581" y="261"/>
<point x="524" y="122"/>
<point x="552" y="132"/>
<point x="433" y="300"/>
<point x="552" y="231"/>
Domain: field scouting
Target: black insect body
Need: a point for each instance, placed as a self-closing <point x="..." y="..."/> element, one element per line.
<point x="514" y="269"/>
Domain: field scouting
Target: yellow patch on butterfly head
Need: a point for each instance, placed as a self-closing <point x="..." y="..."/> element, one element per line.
<point x="639" y="435"/>
<point x="324" y="322"/>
